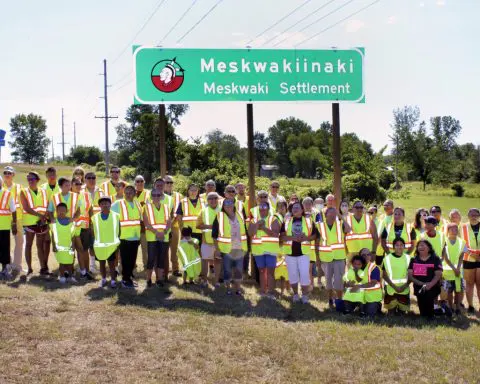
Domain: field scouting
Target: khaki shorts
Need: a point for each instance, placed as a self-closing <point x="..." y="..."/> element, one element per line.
<point x="207" y="251"/>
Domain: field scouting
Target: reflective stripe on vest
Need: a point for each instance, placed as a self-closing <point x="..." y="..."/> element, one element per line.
<point x="461" y="245"/>
<point x="361" y="235"/>
<point x="73" y="200"/>
<point x="468" y="236"/>
<point x="5" y="203"/>
<point x="388" y="266"/>
<point x="408" y="241"/>
<point x="152" y="219"/>
<point x="187" y="214"/>
<point x="41" y="208"/>
<point x="221" y="229"/>
<point x="96" y="221"/>
<point x="60" y="248"/>
<point x="126" y="221"/>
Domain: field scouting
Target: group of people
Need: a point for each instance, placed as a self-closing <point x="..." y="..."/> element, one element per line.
<point x="366" y="260"/>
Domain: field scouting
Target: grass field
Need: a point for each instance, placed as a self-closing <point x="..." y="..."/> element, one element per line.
<point x="85" y="334"/>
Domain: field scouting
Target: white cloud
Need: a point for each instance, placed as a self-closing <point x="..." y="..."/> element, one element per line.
<point x="441" y="3"/>
<point x="422" y="4"/>
<point x="354" y="25"/>
<point x="392" y="20"/>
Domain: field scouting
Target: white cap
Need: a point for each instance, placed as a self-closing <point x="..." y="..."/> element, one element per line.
<point x="139" y="177"/>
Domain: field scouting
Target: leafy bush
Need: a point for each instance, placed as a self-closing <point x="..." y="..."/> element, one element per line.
<point x="458" y="189"/>
<point x="404" y="193"/>
<point x="386" y="179"/>
<point x="364" y="187"/>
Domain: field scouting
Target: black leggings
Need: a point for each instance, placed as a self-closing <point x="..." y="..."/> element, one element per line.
<point x="5" y="247"/>
<point x="128" y="255"/>
<point x="426" y="300"/>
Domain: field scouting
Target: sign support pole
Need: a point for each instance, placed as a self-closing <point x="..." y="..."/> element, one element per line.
<point x="337" y="166"/>
<point x="251" y="171"/>
<point x="162" y="128"/>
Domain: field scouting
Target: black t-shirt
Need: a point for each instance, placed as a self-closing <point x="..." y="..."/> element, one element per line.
<point x="475" y="229"/>
<point x="296" y="248"/>
<point x="398" y="232"/>
<point x="425" y="270"/>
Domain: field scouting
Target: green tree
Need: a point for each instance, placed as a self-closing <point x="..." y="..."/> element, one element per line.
<point x="30" y="143"/>
<point x="85" y="155"/>
<point x="261" y="144"/>
<point x="223" y="145"/>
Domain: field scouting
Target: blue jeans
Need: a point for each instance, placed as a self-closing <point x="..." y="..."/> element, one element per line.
<point x="233" y="265"/>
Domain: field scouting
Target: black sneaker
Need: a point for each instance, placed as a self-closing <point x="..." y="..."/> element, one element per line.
<point x="66" y="275"/>
<point x="30" y="271"/>
<point x="457" y="312"/>
<point x="45" y="272"/>
<point x="159" y="284"/>
<point x="331" y="303"/>
<point x="149" y="284"/>
<point x="448" y="312"/>
<point x="177" y="274"/>
<point x="87" y="276"/>
<point x="471" y="310"/>
<point x="127" y="284"/>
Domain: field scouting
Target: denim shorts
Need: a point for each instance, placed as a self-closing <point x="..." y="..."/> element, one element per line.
<point x="233" y="265"/>
<point x="266" y="261"/>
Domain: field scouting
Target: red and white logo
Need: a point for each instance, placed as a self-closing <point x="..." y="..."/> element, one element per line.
<point x="167" y="75"/>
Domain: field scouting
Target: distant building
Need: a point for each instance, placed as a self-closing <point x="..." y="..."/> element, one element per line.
<point x="268" y="170"/>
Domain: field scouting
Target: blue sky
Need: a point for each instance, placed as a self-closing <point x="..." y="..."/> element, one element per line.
<point x="418" y="52"/>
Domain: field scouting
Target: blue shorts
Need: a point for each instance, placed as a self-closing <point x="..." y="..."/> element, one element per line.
<point x="266" y="261"/>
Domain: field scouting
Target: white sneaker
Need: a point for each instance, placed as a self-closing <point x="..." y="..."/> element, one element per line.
<point x="103" y="283"/>
<point x="72" y="280"/>
<point x="296" y="298"/>
<point x="62" y="280"/>
<point x="305" y="299"/>
<point x="92" y="268"/>
<point x="113" y="284"/>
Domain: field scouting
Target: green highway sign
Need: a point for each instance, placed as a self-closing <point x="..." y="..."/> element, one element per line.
<point x="164" y="75"/>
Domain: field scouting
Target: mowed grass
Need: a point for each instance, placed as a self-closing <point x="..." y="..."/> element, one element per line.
<point x="85" y="334"/>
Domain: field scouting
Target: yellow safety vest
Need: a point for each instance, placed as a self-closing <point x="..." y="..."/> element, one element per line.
<point x="157" y="218"/>
<point x="36" y="201"/>
<point x="191" y="213"/>
<point x="62" y="235"/>
<point x="453" y="252"/>
<point x="72" y="203"/>
<point x="189" y="258"/>
<point x="50" y="192"/>
<point x="359" y="237"/>
<point x="406" y="235"/>
<point x="306" y="230"/>
<point x="16" y="190"/>
<point x="224" y="238"/>
<point x="5" y="213"/>
<point x="273" y="204"/>
<point x="108" y="188"/>
<point x="263" y="243"/>
<point x="397" y="269"/>
<point x="130" y="219"/>
<point x="363" y="295"/>
<point x="472" y="244"/>
<point x="208" y="216"/>
<point x="332" y="242"/>
<point x="106" y="235"/>
<point x="438" y="242"/>
<point x="143" y="198"/>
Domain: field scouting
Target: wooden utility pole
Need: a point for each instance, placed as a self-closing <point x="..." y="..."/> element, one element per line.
<point x="251" y="157"/>
<point x="53" y="150"/>
<point x="63" y="138"/>
<point x="337" y="166"/>
<point x="106" y="117"/>
<point x="74" y="136"/>
<point x="162" y="142"/>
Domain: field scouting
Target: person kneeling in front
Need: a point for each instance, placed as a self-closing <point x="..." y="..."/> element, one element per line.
<point x="106" y="230"/>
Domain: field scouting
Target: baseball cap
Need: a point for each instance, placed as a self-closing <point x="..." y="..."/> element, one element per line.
<point x="139" y="177"/>
<point x="431" y="220"/>
<point x="9" y="168"/>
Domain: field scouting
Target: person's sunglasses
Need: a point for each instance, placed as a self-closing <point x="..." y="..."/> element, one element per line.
<point x="78" y="184"/>
<point x="90" y="178"/>
<point x="275" y="186"/>
<point x="212" y="198"/>
<point x="114" y="171"/>
<point x="6" y="173"/>
<point x="31" y="179"/>
<point x="358" y="207"/>
<point x="263" y="207"/>
<point x="169" y="182"/>
<point x="228" y="203"/>
<point x="156" y="195"/>
<point x="229" y="191"/>
<point x="139" y="181"/>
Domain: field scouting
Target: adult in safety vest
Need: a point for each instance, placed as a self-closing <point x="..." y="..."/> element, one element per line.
<point x="207" y="251"/>
<point x="383" y="221"/>
<point x="274" y="197"/>
<point x="434" y="237"/>
<point x="34" y="218"/>
<point x="264" y="234"/>
<point x="79" y="172"/>
<point x="188" y="211"/>
<point x="331" y="252"/>
<point x="175" y="200"/>
<point x="442" y="223"/>
<point x="15" y="190"/>
<point x="157" y="216"/>
<point x="297" y="234"/>
<point x="395" y="276"/>
<point x="311" y="213"/>
<point x="210" y="186"/>
<point x="62" y="232"/>
<point x="471" y="260"/>
<point x="131" y="216"/>
<point x="242" y="196"/>
<point x="281" y="271"/>
<point x="230" y="238"/>
<point x="455" y="217"/>
<point x="231" y="193"/>
<point x="91" y="195"/>
<point x="398" y="228"/>
<point x="142" y="195"/>
<point x="363" y="233"/>
<point x="108" y="186"/>
<point x="106" y="232"/>
<point x="119" y="191"/>
<point x="453" y="283"/>
<point x="262" y="197"/>
<point x="362" y="282"/>
<point x="189" y="256"/>
<point x="8" y="224"/>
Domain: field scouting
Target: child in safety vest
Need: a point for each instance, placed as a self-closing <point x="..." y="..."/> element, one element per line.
<point x="452" y="264"/>
<point x="62" y="232"/>
<point x="354" y="296"/>
<point x="189" y="257"/>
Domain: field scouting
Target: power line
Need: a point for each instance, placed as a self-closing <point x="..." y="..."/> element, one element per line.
<point x="279" y="21"/>
<point x="299" y="21"/>
<point x="178" y="22"/>
<point x="129" y="45"/>
<point x="338" y="22"/>
<point x="199" y="21"/>
<point x="317" y="20"/>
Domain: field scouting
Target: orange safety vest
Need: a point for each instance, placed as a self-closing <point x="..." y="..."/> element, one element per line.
<point x="469" y="240"/>
<point x="125" y="220"/>
<point x="358" y="240"/>
<point x="151" y="216"/>
<point x="5" y="204"/>
<point x="40" y="208"/>
<point x="57" y="199"/>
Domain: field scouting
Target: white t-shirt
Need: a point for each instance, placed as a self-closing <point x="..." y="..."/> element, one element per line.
<point x="235" y="233"/>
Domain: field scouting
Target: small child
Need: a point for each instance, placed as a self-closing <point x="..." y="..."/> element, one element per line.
<point x="452" y="268"/>
<point x="189" y="257"/>
<point x="281" y="274"/>
<point x="62" y="231"/>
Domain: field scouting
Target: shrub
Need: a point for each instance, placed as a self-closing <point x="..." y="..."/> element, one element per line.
<point x="458" y="189"/>
<point x="386" y="179"/>
<point x="364" y="187"/>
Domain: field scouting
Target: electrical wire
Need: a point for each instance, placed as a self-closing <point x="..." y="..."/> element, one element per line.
<point x="338" y="22"/>
<point x="299" y="21"/>
<point x="279" y="21"/>
<point x="316" y="21"/>
<point x="199" y="21"/>
<point x="129" y="45"/>
<point x="178" y="22"/>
